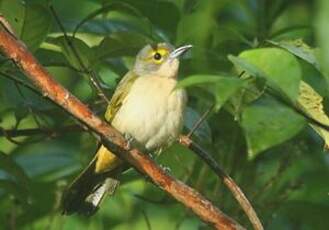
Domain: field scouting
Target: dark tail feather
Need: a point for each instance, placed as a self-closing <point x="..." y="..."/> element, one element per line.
<point x="87" y="191"/>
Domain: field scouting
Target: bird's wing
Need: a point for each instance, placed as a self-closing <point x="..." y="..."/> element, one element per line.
<point x="119" y="95"/>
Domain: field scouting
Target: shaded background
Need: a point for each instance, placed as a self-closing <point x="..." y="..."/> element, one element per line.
<point x="278" y="160"/>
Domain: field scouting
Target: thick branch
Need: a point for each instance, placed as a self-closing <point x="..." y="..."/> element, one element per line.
<point x="111" y="138"/>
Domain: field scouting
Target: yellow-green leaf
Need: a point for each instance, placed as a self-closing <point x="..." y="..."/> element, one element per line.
<point x="311" y="102"/>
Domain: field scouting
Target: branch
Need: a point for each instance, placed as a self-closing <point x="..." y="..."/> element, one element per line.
<point x="228" y="181"/>
<point x="110" y="137"/>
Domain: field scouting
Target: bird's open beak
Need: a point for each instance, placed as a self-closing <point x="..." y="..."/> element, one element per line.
<point x="180" y="51"/>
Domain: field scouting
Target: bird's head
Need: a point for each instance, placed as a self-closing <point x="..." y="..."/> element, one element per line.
<point x="159" y="60"/>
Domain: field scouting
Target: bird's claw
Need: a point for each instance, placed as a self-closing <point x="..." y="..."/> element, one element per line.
<point x="165" y="168"/>
<point x="129" y="138"/>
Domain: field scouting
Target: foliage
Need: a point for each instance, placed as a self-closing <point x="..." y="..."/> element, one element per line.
<point x="263" y="64"/>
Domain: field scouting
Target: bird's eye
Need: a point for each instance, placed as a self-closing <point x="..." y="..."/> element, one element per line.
<point x="157" y="56"/>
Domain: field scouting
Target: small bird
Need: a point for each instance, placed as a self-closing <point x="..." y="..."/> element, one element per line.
<point x="147" y="109"/>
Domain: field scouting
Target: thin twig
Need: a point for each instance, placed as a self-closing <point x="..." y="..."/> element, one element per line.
<point x="39" y="131"/>
<point x="110" y="137"/>
<point x="199" y="122"/>
<point x="147" y="220"/>
<point x="228" y="181"/>
<point x="19" y="81"/>
<point x="87" y="70"/>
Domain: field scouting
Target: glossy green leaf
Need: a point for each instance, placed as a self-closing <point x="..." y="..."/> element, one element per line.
<point x="196" y="80"/>
<point x="221" y="87"/>
<point x="242" y="66"/>
<point x="268" y="123"/>
<point x="279" y="67"/>
<point x="301" y="50"/>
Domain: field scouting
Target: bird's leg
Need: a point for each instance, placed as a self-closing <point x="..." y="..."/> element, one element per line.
<point x="165" y="168"/>
<point x="157" y="153"/>
<point x="130" y="139"/>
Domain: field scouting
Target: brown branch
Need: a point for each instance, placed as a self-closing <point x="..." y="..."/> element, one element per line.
<point x="110" y="137"/>
<point x="228" y="181"/>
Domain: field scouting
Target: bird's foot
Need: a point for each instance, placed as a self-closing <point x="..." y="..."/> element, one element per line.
<point x="166" y="169"/>
<point x="130" y="139"/>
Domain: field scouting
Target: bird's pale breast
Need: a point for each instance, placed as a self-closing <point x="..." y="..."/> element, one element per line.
<point x="152" y="112"/>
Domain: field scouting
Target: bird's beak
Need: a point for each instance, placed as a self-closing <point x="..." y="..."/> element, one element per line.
<point x="180" y="51"/>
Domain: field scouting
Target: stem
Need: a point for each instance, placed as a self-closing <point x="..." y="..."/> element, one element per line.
<point x="228" y="181"/>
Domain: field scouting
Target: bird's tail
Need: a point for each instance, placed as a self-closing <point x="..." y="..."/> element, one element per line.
<point x="87" y="191"/>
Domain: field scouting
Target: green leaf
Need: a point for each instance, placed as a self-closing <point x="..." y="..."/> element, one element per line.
<point x="322" y="33"/>
<point x="8" y="165"/>
<point x="83" y="51"/>
<point x="268" y="123"/>
<point x="280" y="68"/>
<point x="195" y="80"/>
<point x="113" y="6"/>
<point x="14" y="189"/>
<point x="157" y="13"/>
<point x="13" y="11"/>
<point x="299" y="49"/>
<point x="119" y="44"/>
<point x="243" y="65"/>
<point x="221" y="87"/>
<point x="36" y="25"/>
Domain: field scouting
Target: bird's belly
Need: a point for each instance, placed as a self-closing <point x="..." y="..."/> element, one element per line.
<point x="152" y="112"/>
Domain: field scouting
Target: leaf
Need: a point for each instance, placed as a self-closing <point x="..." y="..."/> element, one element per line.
<point x="195" y="80"/>
<point x="221" y="87"/>
<point x="266" y="125"/>
<point x="157" y="11"/>
<point x="119" y="44"/>
<point x="36" y="25"/>
<point x="13" y="11"/>
<point x="8" y="165"/>
<point x="301" y="50"/>
<point x="322" y="32"/>
<point x="311" y="102"/>
<point x="280" y="68"/>
<point x="113" y="6"/>
<point x="84" y="52"/>
<point x="243" y="65"/>
<point x="14" y="189"/>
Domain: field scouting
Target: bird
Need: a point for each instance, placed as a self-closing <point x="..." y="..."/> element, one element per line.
<point x="148" y="109"/>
